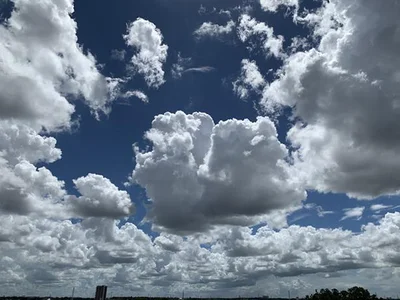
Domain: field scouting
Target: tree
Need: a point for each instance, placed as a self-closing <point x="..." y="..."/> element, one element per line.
<point x="354" y="293"/>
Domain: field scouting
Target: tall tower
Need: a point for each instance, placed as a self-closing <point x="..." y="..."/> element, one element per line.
<point x="101" y="292"/>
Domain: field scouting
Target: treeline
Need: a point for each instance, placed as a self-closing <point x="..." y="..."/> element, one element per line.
<point x="354" y="293"/>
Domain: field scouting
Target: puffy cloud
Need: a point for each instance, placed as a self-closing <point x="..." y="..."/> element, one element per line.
<point x="273" y="5"/>
<point x="100" y="198"/>
<point x="355" y="212"/>
<point x="42" y="64"/>
<point x="249" y="27"/>
<point x="151" y="52"/>
<point x="250" y="80"/>
<point x="212" y="30"/>
<point x="24" y="189"/>
<point x="20" y="142"/>
<point x="199" y="174"/>
<point x="344" y="92"/>
<point x="226" y="258"/>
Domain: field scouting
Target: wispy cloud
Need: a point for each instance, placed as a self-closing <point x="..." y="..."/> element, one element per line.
<point x="138" y="94"/>
<point x="184" y="66"/>
<point x="320" y="211"/>
<point x="204" y="69"/>
<point x="355" y="212"/>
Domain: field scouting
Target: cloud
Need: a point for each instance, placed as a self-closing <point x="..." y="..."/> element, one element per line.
<point x="204" y="69"/>
<point x="211" y="30"/>
<point x="184" y="66"/>
<point x="138" y="94"/>
<point x="273" y="5"/>
<point x="42" y="64"/>
<point x="100" y="198"/>
<point x="151" y="54"/>
<point x="250" y="80"/>
<point x="320" y="211"/>
<point x="20" y="142"/>
<point x="235" y="257"/>
<point x="118" y="54"/>
<point x="199" y="174"/>
<point x="25" y="190"/>
<point x="249" y="27"/>
<point x="344" y="94"/>
<point x="355" y="212"/>
<point x="378" y="208"/>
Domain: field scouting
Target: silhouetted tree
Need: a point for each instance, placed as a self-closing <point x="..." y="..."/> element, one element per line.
<point x="354" y="293"/>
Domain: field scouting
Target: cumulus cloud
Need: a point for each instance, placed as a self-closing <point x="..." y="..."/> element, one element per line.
<point x="100" y="198"/>
<point x="212" y="30"/>
<point x="151" y="54"/>
<point x="250" y="80"/>
<point x="344" y="92"/>
<point x="42" y="64"/>
<point x="235" y="257"/>
<point x="250" y="27"/>
<point x="25" y="189"/>
<point x="199" y="173"/>
<point x="273" y="5"/>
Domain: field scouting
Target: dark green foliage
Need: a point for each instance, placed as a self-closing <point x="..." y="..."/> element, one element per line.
<point x="354" y="293"/>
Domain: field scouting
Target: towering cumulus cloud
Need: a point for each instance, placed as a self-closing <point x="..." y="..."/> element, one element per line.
<point x="346" y="94"/>
<point x="200" y="174"/>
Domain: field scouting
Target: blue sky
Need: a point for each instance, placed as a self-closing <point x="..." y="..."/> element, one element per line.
<point x="217" y="147"/>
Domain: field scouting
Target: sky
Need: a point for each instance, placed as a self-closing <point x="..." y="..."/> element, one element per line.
<point x="220" y="148"/>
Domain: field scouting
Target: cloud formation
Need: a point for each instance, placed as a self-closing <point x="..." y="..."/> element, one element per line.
<point x="151" y="54"/>
<point x="100" y="198"/>
<point x="200" y="174"/>
<point x="212" y="30"/>
<point x="355" y="212"/>
<point x="184" y="65"/>
<point x="249" y="27"/>
<point x="344" y="92"/>
<point x="249" y="81"/>
<point x="42" y="64"/>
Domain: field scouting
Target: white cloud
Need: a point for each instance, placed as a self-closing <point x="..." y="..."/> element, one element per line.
<point x="344" y="92"/>
<point x="273" y="5"/>
<point x="184" y="65"/>
<point x="355" y="212"/>
<point x="250" y="80"/>
<point x="379" y="207"/>
<point x="199" y="174"/>
<point x="138" y="94"/>
<point x="235" y="259"/>
<point x="100" y="198"/>
<point x="25" y="189"/>
<point x="42" y="64"/>
<point x="147" y="39"/>
<point x="20" y="142"/>
<point x="212" y="30"/>
<point x="249" y="27"/>
<point x="320" y="211"/>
